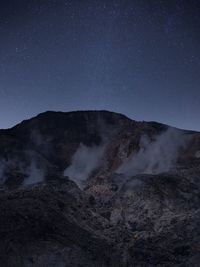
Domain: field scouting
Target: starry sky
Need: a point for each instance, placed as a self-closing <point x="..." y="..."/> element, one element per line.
<point x="139" y="57"/>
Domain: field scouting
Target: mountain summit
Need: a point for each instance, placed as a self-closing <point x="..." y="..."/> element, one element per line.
<point x="95" y="188"/>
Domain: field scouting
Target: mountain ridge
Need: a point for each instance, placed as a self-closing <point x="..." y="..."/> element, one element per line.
<point x="50" y="112"/>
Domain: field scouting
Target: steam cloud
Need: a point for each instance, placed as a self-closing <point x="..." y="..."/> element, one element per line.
<point x="157" y="156"/>
<point x="84" y="161"/>
<point x="36" y="174"/>
<point x="36" y="171"/>
<point x="32" y="171"/>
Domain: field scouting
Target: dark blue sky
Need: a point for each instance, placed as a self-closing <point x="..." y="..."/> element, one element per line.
<point x="139" y="57"/>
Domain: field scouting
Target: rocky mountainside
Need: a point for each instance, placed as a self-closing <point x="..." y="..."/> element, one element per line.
<point x="95" y="188"/>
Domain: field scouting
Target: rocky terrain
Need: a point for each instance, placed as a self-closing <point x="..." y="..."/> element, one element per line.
<point x="95" y="188"/>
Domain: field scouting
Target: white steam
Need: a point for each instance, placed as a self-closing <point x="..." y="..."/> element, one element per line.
<point x="155" y="156"/>
<point x="84" y="161"/>
<point x="36" y="174"/>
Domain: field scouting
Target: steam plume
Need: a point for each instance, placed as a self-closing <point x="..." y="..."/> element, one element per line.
<point x="157" y="156"/>
<point x="84" y="161"/>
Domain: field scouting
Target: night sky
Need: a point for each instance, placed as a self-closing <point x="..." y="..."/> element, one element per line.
<point x="139" y="57"/>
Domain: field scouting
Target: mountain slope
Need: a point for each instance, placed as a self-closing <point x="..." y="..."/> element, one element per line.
<point x="94" y="188"/>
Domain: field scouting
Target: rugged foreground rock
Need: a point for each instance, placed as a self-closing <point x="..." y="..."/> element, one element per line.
<point x="138" y="206"/>
<point x="56" y="224"/>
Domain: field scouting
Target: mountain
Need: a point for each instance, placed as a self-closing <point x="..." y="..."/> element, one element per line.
<point x="95" y="188"/>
